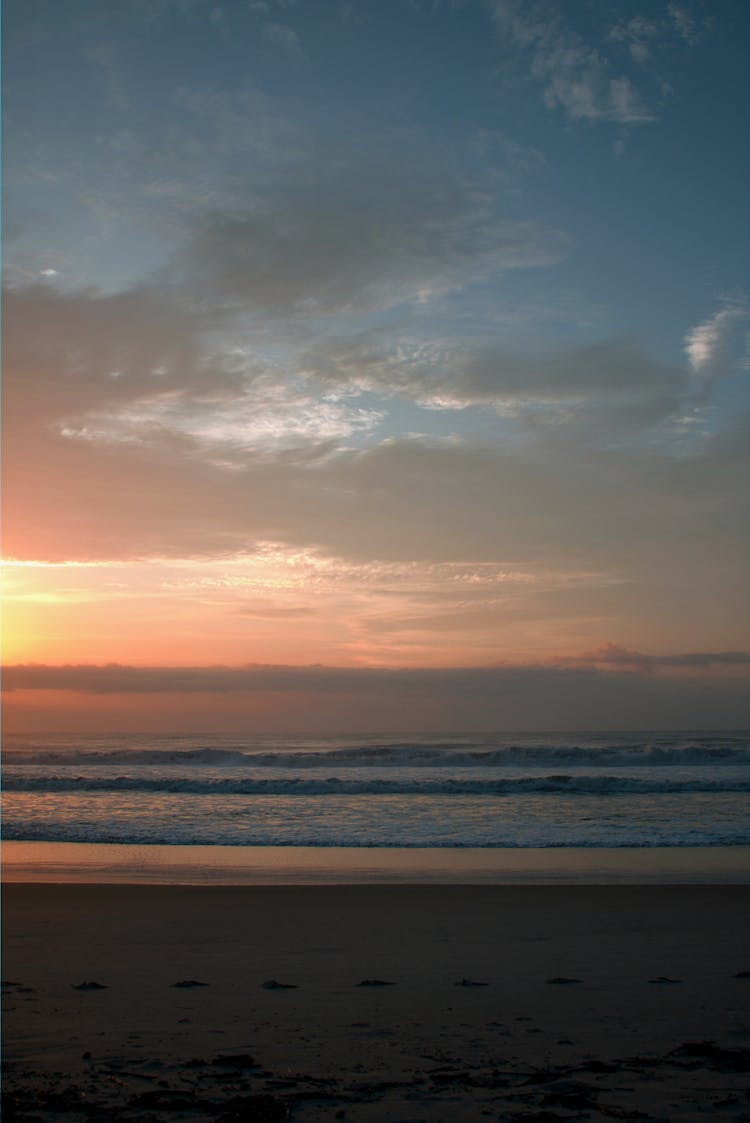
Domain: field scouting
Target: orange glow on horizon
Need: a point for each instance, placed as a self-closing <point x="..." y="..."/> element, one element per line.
<point x="279" y="605"/>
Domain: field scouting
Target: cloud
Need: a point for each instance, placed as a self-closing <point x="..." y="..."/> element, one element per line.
<point x="139" y="366"/>
<point x="115" y="678"/>
<point x="369" y="235"/>
<point x="514" y="696"/>
<point x="264" y="611"/>
<point x="683" y="21"/>
<point x="603" y="393"/>
<point x="456" y="374"/>
<point x="227" y="127"/>
<point x="612" y="655"/>
<point x="509" y="161"/>
<point x="275" y="566"/>
<point x="647" y="35"/>
<point x="576" y="77"/>
<point x="282" y="36"/>
<point x="104" y="57"/>
<point x="641" y="35"/>
<point x="260" y="417"/>
<point x="66" y="352"/>
<point x="364" y="611"/>
<point x="228" y="449"/>
<point x="707" y="345"/>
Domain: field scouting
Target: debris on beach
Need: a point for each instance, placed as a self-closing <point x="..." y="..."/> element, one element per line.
<point x="273" y="984"/>
<point x="89" y="984"/>
<point x="375" y="983"/>
<point x="707" y="1054"/>
<point x="561" y="980"/>
<point x="190" y="983"/>
<point x="470" y="983"/>
<point x="234" y="1060"/>
<point x="661" y="979"/>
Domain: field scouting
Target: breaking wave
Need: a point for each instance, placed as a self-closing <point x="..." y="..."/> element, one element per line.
<point x="332" y="785"/>
<point x="696" y="753"/>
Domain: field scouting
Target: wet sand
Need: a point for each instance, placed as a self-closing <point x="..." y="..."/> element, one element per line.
<point x="124" y="864"/>
<point x="506" y="1002"/>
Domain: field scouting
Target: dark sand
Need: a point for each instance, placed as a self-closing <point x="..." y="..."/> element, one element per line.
<point x="652" y="1022"/>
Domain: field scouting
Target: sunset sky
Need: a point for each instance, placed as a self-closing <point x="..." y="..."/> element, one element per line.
<point x="375" y="365"/>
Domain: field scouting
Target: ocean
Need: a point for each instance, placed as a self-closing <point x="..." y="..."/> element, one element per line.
<point x="448" y="792"/>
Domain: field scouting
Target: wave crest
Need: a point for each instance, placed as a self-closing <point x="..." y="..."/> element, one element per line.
<point x="696" y="753"/>
<point x="334" y="785"/>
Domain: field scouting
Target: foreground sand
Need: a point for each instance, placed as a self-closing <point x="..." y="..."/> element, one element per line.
<point x="617" y="1040"/>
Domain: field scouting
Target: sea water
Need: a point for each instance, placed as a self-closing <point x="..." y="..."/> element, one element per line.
<point x="449" y="792"/>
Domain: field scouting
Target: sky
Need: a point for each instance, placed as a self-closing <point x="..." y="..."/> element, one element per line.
<point x="375" y="366"/>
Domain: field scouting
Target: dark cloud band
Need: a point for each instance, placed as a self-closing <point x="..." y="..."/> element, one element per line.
<point x="115" y="678"/>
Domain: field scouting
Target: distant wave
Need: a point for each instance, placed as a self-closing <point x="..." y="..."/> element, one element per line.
<point x="550" y="784"/>
<point x="157" y="835"/>
<point x="715" y="753"/>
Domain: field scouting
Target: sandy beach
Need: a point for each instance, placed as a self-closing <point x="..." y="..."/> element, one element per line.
<point x="399" y="1003"/>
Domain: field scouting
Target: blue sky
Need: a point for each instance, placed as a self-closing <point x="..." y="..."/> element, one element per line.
<point x="107" y="101"/>
<point x="411" y="284"/>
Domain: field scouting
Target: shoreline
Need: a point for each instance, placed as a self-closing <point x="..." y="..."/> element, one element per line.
<point x="376" y="1002"/>
<point x="122" y="864"/>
